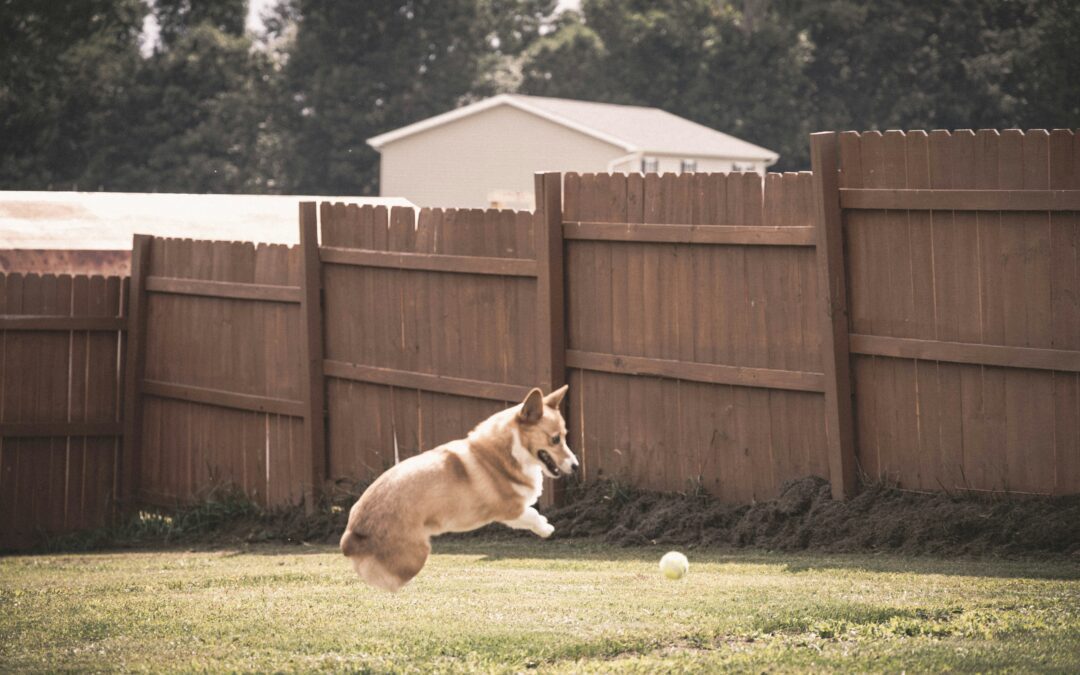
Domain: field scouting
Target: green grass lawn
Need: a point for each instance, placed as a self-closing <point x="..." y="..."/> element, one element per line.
<point x="514" y="605"/>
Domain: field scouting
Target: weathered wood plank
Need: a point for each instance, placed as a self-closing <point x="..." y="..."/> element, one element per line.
<point x="431" y="262"/>
<point x="960" y="200"/>
<point x="767" y="378"/>
<point x="840" y="428"/>
<point x="223" y="289"/>
<point x="752" y="235"/>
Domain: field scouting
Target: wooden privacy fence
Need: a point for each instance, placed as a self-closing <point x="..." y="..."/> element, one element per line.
<point x="216" y="378"/>
<point x="693" y="341"/>
<point x="275" y="369"/>
<point x="60" y="374"/>
<point x="433" y="323"/>
<point x="910" y="310"/>
<point x="963" y="299"/>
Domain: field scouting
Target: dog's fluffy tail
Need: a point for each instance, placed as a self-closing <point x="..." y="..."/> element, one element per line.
<point x="353" y="543"/>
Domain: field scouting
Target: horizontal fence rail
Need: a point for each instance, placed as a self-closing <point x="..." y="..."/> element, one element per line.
<point x="966" y="352"/>
<point x="58" y="429"/>
<point x="696" y="372"/>
<point x="224" y="399"/>
<point x="441" y="384"/>
<point x="960" y="200"/>
<point x="223" y="289"/>
<point x="431" y="262"/>
<point x="689" y="234"/>
<point x="15" y="322"/>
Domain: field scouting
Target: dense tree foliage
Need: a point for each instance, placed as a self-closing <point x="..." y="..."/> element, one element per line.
<point x="60" y="63"/>
<point x="771" y="72"/>
<point x="86" y="102"/>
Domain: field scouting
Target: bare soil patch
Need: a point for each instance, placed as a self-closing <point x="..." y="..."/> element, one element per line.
<point x="806" y="517"/>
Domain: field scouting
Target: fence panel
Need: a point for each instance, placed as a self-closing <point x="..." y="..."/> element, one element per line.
<point x="222" y="389"/>
<point x="60" y="374"/>
<point x="692" y="330"/>
<point x="964" y="318"/>
<point x="430" y="327"/>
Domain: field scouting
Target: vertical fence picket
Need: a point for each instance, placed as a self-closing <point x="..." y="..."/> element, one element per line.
<point x="834" y="316"/>
<point x="312" y="348"/>
<point x="136" y="354"/>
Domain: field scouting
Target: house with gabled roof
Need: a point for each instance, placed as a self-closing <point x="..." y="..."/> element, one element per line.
<point x="485" y="154"/>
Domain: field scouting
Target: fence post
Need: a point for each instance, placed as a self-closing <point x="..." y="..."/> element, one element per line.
<point x="551" y="317"/>
<point x="549" y="296"/>
<point x="135" y="356"/>
<point x="311" y="331"/>
<point x="832" y="293"/>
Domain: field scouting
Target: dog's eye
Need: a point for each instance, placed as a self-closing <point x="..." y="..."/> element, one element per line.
<point x="555" y="439"/>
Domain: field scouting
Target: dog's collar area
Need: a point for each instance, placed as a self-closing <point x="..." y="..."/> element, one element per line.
<point x="544" y="457"/>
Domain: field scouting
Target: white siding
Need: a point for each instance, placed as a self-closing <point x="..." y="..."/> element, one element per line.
<point x="460" y="164"/>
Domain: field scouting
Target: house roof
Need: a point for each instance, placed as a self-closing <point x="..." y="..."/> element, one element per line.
<point x="107" y="220"/>
<point x="632" y="128"/>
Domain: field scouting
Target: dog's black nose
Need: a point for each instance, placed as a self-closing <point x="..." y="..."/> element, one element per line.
<point x="574" y="468"/>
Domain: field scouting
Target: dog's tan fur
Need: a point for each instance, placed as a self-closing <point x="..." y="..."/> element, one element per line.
<point x="493" y="475"/>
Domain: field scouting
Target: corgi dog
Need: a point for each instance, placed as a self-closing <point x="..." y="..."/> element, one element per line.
<point x="495" y="474"/>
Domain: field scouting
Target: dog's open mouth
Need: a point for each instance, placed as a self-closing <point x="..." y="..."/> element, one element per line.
<point x="544" y="457"/>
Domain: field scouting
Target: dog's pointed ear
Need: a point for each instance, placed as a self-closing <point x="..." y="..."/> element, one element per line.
<point x="553" y="399"/>
<point x="532" y="409"/>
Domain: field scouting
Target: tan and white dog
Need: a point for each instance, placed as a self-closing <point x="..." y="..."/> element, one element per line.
<point x="496" y="474"/>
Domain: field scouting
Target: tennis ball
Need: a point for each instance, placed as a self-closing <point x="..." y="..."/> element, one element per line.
<point x="674" y="565"/>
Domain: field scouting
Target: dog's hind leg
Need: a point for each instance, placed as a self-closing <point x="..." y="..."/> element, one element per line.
<point x="354" y="544"/>
<point x="401" y="562"/>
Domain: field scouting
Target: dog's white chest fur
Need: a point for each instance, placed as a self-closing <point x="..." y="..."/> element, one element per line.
<point x="532" y="468"/>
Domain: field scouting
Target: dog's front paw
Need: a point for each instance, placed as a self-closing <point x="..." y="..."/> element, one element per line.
<point x="544" y="529"/>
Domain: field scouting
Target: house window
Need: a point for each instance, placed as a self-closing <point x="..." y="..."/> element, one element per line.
<point x="688" y="165"/>
<point x="736" y="167"/>
<point x="650" y="165"/>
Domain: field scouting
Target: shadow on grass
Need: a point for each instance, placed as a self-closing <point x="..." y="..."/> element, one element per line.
<point x="793" y="562"/>
<point x="521" y="546"/>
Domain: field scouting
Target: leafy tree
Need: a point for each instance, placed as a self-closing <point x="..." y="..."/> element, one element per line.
<point x="357" y="70"/>
<point x="569" y="63"/>
<point x="176" y="17"/>
<point x="1033" y="65"/>
<point x="60" y="63"/>
<point x="195" y="118"/>
<point x="773" y="71"/>
<point x="212" y="109"/>
<point x="700" y="59"/>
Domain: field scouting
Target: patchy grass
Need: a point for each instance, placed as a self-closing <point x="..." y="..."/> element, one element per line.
<point x="556" y="606"/>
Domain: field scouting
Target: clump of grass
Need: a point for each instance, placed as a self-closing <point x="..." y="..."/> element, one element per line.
<point x="216" y="509"/>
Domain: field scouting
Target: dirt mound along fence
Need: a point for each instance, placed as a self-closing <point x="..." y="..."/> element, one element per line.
<point x="61" y="340"/>
<point x="910" y="310"/>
